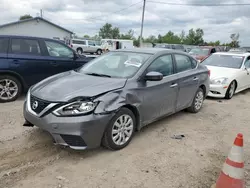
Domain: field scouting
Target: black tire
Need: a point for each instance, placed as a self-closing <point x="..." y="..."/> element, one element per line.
<point x="79" y="51"/>
<point x="99" y="52"/>
<point x="107" y="140"/>
<point x="230" y="95"/>
<point x="18" y="84"/>
<point x="194" y="108"/>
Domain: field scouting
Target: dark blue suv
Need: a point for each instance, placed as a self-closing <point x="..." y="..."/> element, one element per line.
<point x="24" y="61"/>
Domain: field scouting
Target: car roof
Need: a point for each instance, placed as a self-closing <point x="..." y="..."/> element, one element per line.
<point x="25" y="37"/>
<point x="148" y="50"/>
<point x="234" y="53"/>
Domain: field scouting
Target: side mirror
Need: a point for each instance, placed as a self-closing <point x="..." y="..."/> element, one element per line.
<point x="153" y="76"/>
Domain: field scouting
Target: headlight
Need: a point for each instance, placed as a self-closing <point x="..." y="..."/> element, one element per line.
<point x="219" y="81"/>
<point x="75" y="108"/>
<point x="199" y="61"/>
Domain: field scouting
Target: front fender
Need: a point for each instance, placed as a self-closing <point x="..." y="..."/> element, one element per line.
<point x="113" y="101"/>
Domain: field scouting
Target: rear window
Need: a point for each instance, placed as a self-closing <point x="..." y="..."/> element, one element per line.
<point x="3" y="45"/>
<point x="25" y="46"/>
<point x="227" y="61"/>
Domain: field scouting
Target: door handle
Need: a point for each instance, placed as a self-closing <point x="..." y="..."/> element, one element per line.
<point x="174" y="85"/>
<point x="195" y="78"/>
<point x="53" y="63"/>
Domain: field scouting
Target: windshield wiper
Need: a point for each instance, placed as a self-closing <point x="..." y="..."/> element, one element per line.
<point x="97" y="74"/>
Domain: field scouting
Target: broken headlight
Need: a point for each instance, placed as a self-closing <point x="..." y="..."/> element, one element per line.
<point x="75" y="108"/>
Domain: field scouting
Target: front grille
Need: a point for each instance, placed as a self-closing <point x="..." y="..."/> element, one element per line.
<point x="38" y="105"/>
<point x="72" y="140"/>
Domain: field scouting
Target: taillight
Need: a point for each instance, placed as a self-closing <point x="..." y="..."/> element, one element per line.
<point x="209" y="72"/>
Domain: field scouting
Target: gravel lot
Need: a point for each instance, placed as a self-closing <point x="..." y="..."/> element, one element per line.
<point x="153" y="159"/>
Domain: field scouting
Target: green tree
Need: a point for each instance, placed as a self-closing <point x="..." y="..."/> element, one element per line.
<point x="107" y="31"/>
<point x="129" y="35"/>
<point x="86" y="37"/>
<point x="235" y="40"/>
<point x="195" y="37"/>
<point x="24" y="17"/>
<point x="171" y="38"/>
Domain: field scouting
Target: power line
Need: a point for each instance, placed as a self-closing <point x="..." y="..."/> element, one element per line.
<point x="199" y="4"/>
<point x="118" y="11"/>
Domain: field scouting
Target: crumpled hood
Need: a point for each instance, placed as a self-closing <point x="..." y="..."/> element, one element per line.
<point x="221" y="72"/>
<point x="68" y="85"/>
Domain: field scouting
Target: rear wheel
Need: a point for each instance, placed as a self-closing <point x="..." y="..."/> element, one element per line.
<point x="99" y="51"/>
<point x="197" y="101"/>
<point x="120" y="130"/>
<point x="79" y="51"/>
<point x="10" y="88"/>
<point x="230" y="90"/>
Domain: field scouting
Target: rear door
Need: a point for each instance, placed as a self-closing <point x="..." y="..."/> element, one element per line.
<point x="188" y="80"/>
<point x="59" y="56"/>
<point x="26" y="58"/>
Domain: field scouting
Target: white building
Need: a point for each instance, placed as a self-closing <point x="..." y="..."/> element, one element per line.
<point x="36" y="27"/>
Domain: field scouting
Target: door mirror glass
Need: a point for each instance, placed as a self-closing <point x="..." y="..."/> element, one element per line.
<point x="154" y="76"/>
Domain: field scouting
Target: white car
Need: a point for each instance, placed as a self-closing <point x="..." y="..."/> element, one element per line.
<point x="229" y="73"/>
<point x="87" y="46"/>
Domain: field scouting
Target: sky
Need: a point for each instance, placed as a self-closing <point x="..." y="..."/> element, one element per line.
<point x="88" y="16"/>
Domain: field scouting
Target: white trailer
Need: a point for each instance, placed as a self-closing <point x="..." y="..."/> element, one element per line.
<point x="113" y="44"/>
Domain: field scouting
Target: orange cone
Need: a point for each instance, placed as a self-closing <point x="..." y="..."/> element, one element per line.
<point x="232" y="174"/>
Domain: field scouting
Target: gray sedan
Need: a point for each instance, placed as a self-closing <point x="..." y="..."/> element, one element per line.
<point x="108" y="99"/>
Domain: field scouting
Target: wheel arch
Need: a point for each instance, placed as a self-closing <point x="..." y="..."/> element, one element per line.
<point x="136" y="113"/>
<point x="17" y="76"/>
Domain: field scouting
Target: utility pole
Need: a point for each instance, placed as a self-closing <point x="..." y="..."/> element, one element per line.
<point x="142" y="21"/>
<point x="41" y="13"/>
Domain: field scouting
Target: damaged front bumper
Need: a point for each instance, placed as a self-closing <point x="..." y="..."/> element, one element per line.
<point x="80" y="132"/>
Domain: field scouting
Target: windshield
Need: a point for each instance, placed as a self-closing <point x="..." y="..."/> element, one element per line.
<point x="227" y="61"/>
<point x="115" y="64"/>
<point x="199" y="51"/>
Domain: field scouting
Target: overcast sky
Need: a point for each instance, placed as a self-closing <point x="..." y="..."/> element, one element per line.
<point x="87" y="16"/>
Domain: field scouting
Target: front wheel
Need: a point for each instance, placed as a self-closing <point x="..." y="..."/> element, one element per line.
<point x="230" y="90"/>
<point x="197" y="101"/>
<point x="10" y="88"/>
<point x="120" y="130"/>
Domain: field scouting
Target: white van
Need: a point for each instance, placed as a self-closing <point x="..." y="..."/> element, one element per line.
<point x="113" y="44"/>
<point x="85" y="46"/>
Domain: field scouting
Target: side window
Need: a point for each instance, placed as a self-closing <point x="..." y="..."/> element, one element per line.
<point x="183" y="63"/>
<point x="91" y="43"/>
<point x="3" y="45"/>
<point x="25" y="46"/>
<point x="163" y="64"/>
<point x="247" y="62"/>
<point x="56" y="49"/>
<point x="194" y="63"/>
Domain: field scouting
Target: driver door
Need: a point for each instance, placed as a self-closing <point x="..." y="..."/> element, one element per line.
<point x="59" y="56"/>
<point x="246" y="74"/>
<point x="159" y="97"/>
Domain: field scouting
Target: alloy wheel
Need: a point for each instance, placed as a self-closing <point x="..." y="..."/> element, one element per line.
<point x="8" y="89"/>
<point x="231" y="89"/>
<point x="122" y="129"/>
<point x="199" y="98"/>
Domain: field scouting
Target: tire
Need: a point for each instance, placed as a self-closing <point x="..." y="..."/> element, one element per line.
<point x="79" y="51"/>
<point x="197" y="101"/>
<point x="109" y="141"/>
<point x="231" y="90"/>
<point x="9" y="85"/>
<point x="99" y="52"/>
